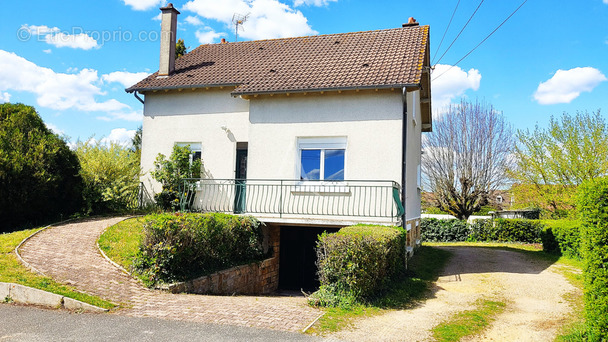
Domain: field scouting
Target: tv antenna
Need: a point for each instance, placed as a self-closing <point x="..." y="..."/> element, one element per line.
<point x="238" y="20"/>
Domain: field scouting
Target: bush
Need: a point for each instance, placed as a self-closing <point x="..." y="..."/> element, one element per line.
<point x="436" y="230"/>
<point x="111" y="177"/>
<point x="357" y="262"/>
<point x="178" y="247"/>
<point x="592" y="203"/>
<point x="507" y="230"/>
<point x="171" y="172"/>
<point x="562" y="237"/>
<point x="39" y="179"/>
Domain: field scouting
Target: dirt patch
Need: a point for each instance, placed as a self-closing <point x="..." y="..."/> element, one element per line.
<point x="532" y="290"/>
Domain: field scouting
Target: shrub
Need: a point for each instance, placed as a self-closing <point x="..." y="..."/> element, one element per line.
<point x="562" y="237"/>
<point x="39" y="179"/>
<point x="170" y="172"/>
<point x="357" y="262"/>
<point x="435" y="230"/>
<point x="592" y="203"/>
<point x="507" y="230"/>
<point x="182" y="246"/>
<point x="111" y="176"/>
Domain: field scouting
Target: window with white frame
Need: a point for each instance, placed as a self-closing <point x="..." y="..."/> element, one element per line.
<point x="322" y="158"/>
<point x="195" y="150"/>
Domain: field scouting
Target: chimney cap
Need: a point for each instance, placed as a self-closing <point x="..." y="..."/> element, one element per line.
<point x="410" y="22"/>
<point x="169" y="7"/>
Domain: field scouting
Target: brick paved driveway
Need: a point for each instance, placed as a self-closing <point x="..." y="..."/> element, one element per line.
<point x="68" y="253"/>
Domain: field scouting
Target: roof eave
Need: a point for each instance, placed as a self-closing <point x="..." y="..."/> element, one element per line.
<point x="193" y="86"/>
<point x="328" y="89"/>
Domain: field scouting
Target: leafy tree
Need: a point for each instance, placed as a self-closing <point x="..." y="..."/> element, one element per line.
<point x="552" y="162"/>
<point x="39" y="174"/>
<point x="136" y="141"/>
<point x="466" y="157"/>
<point x="180" y="48"/>
<point x="170" y="172"/>
<point x="111" y="176"/>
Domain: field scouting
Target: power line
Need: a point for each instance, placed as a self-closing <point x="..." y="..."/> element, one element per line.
<point x="486" y="38"/>
<point x="446" y="30"/>
<point x="459" y="33"/>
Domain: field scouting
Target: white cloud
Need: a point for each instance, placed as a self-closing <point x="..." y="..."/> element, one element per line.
<point x="144" y="5"/>
<point x="125" y="78"/>
<point x="54" y="36"/>
<point x="207" y="37"/>
<point x="74" y="41"/>
<point x="57" y="91"/>
<point x="5" y="97"/>
<point x="606" y="2"/>
<point x="54" y="128"/>
<point x="267" y="18"/>
<point x="39" y="30"/>
<point x="125" y="116"/>
<point x="567" y="85"/>
<point x="196" y="21"/>
<point x="47" y="51"/>
<point x="451" y="82"/>
<point x="318" y="3"/>
<point x="120" y="136"/>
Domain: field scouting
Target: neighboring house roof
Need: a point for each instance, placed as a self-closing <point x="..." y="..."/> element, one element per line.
<point x="391" y="58"/>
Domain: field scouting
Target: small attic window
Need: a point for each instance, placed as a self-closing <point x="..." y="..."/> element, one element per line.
<point x="261" y="48"/>
<point x="365" y="65"/>
<point x="272" y="70"/>
<point x="337" y="42"/>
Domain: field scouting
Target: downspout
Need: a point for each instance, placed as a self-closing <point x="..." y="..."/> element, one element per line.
<point x="404" y="156"/>
<point x="137" y="97"/>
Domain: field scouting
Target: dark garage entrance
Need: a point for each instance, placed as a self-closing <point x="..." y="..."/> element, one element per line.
<point x="297" y="269"/>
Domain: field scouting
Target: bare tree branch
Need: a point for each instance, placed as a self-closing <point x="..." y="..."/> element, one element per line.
<point x="467" y="156"/>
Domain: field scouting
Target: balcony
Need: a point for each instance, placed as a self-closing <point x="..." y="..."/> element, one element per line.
<point x="295" y="201"/>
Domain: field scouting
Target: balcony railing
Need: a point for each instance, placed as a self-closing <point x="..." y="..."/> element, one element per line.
<point x="294" y="198"/>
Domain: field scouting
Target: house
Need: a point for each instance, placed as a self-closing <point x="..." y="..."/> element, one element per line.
<point x="306" y="134"/>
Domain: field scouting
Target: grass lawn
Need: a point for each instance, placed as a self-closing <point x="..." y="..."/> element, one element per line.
<point x="120" y="242"/>
<point x="12" y="271"/>
<point x="468" y="323"/>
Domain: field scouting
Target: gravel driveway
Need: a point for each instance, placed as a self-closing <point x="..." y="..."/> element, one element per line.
<point x="532" y="289"/>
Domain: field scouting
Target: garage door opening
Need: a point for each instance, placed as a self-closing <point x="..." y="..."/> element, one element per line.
<point x="297" y="268"/>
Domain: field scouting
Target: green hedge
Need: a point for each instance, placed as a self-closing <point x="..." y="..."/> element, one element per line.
<point x="562" y="237"/>
<point x="592" y="203"/>
<point x="436" y="230"/>
<point x="182" y="246"/>
<point x="504" y="230"/>
<point x="507" y="230"/>
<point x="357" y="262"/>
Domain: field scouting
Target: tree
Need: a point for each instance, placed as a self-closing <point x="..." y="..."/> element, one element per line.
<point x="170" y="172"/>
<point x="180" y="48"/>
<point x="466" y="157"/>
<point x="39" y="174"/>
<point x="111" y="176"/>
<point x="552" y="162"/>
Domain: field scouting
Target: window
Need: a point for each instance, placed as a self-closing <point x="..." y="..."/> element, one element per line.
<point x="322" y="158"/>
<point x="195" y="149"/>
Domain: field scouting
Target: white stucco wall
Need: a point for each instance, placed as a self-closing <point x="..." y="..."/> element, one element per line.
<point x="198" y="117"/>
<point x="413" y="149"/>
<point x="370" y="122"/>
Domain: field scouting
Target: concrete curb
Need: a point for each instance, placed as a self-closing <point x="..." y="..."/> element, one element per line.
<point x="29" y="295"/>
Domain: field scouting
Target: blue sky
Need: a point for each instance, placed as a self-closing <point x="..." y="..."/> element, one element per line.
<point x="73" y="59"/>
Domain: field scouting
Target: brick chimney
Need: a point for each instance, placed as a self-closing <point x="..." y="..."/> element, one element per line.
<point x="168" y="33"/>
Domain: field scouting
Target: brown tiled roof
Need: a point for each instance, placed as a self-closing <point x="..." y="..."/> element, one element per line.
<point x="359" y="60"/>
